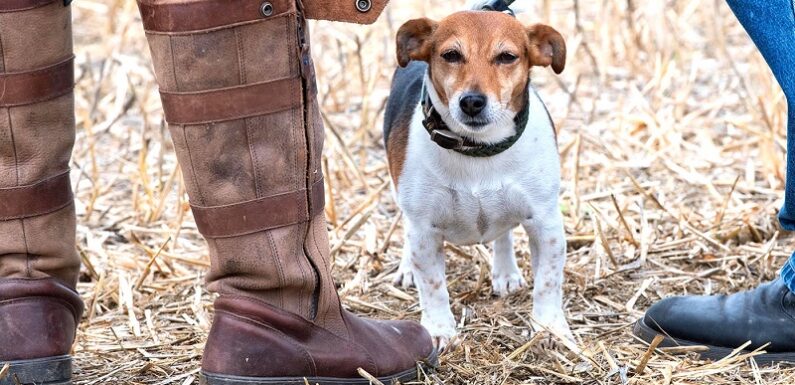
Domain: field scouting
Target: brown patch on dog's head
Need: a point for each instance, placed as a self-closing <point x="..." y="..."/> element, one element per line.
<point x="413" y="40"/>
<point x="479" y="62"/>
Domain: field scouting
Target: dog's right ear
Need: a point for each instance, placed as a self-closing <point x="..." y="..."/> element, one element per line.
<point x="412" y="40"/>
<point x="547" y="47"/>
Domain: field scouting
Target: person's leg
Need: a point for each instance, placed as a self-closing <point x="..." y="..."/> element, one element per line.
<point x="772" y="28"/>
<point x="767" y="313"/>
<point x="39" y="266"/>
<point x="237" y="87"/>
<point x="771" y="25"/>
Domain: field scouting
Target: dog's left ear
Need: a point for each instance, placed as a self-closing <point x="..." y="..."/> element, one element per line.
<point x="412" y="40"/>
<point x="547" y="47"/>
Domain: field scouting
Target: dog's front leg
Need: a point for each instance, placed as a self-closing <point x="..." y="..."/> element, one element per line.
<point x="427" y="260"/>
<point x="548" y="248"/>
<point x="405" y="274"/>
<point x="506" y="277"/>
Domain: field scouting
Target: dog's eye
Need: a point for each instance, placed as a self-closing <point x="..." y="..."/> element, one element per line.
<point x="506" y="58"/>
<point x="452" y="56"/>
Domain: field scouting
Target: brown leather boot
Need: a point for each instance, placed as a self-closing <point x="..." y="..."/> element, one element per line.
<point x="238" y="90"/>
<point x="39" y="309"/>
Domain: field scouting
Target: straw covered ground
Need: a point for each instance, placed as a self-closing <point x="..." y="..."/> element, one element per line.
<point x="671" y="134"/>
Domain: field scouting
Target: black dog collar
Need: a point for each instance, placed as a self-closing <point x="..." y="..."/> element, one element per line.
<point x="444" y="137"/>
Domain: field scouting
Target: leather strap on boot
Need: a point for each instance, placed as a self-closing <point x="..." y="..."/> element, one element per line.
<point x="26" y="88"/>
<point x="177" y="17"/>
<point x="24" y="5"/>
<point x="231" y="103"/>
<point x="258" y="215"/>
<point x="352" y="11"/>
<point x="45" y="197"/>
<point x="174" y="17"/>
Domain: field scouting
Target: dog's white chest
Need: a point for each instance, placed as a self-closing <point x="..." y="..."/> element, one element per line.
<point x="475" y="200"/>
<point x="468" y="214"/>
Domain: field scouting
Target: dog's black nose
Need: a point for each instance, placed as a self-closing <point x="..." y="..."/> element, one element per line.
<point x="472" y="104"/>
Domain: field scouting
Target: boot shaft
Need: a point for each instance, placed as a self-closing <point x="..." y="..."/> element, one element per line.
<point x="238" y="91"/>
<point x="37" y="219"/>
<point x="239" y="94"/>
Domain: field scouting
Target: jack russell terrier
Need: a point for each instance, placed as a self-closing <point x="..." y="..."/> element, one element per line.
<point x="473" y="154"/>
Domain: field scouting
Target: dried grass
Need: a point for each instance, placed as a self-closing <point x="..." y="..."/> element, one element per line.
<point x="672" y="141"/>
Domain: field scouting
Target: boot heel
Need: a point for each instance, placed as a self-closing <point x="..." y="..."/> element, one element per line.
<point x="42" y="371"/>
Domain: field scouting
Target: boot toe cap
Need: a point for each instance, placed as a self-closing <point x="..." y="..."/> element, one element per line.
<point x="685" y="318"/>
<point x="415" y="335"/>
<point x="399" y="346"/>
<point x="725" y="321"/>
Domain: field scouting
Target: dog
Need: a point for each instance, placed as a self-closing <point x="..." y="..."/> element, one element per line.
<point x="473" y="154"/>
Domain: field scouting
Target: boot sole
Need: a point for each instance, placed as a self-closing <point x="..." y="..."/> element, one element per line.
<point x="41" y="371"/>
<point x="402" y="377"/>
<point x="714" y="353"/>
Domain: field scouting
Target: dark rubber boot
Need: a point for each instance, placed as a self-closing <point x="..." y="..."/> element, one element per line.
<point x="725" y="322"/>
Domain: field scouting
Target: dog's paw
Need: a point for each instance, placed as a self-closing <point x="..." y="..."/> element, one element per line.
<point x="505" y="284"/>
<point x="404" y="277"/>
<point x="442" y="331"/>
<point x="555" y="327"/>
<point x="553" y="338"/>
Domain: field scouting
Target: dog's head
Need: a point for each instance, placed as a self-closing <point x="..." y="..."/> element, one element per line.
<point x="479" y="66"/>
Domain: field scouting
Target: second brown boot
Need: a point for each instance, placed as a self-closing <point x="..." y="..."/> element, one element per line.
<point x="238" y="91"/>
<point x="39" y="308"/>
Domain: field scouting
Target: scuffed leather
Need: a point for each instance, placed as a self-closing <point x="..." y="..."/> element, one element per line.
<point x="765" y="314"/>
<point x="343" y="10"/>
<point x="251" y="338"/>
<point x="21" y="88"/>
<point x="185" y="16"/>
<point x="38" y="318"/>
<point x="279" y="313"/>
<point x="245" y="159"/>
<point x="22" y="5"/>
<point x="35" y="144"/>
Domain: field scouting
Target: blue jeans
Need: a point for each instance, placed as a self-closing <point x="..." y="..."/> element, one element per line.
<point x="771" y="25"/>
